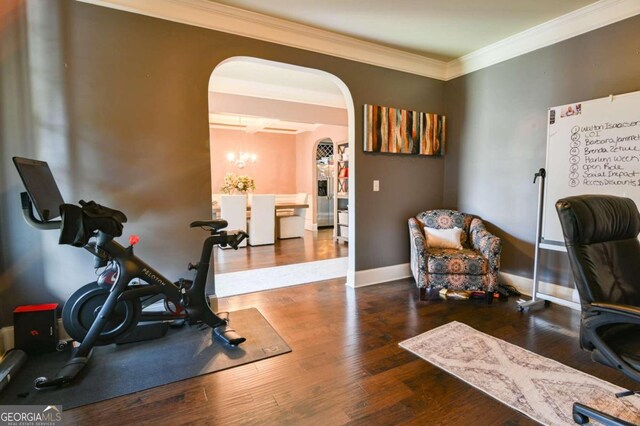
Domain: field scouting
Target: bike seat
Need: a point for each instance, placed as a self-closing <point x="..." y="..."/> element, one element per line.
<point x="215" y="225"/>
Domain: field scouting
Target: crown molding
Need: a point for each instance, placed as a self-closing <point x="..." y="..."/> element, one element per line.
<point x="578" y="22"/>
<point x="215" y="16"/>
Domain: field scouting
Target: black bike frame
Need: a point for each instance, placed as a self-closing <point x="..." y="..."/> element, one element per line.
<point x="130" y="267"/>
<point x="123" y="267"/>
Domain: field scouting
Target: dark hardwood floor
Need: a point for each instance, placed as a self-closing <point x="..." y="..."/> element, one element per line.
<point x="314" y="246"/>
<point x="346" y="366"/>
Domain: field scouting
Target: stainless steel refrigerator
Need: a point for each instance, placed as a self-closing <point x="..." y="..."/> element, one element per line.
<point x="325" y="194"/>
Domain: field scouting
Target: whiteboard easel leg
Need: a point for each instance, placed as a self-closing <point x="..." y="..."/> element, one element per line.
<point x="535" y="303"/>
<point x="530" y="305"/>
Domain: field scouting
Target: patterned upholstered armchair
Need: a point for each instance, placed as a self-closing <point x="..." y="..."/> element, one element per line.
<point x="474" y="267"/>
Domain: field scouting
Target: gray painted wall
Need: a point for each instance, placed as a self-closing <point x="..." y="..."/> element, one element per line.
<point x="117" y="104"/>
<point x="497" y="131"/>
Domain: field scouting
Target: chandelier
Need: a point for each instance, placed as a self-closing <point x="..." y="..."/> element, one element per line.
<point x="241" y="159"/>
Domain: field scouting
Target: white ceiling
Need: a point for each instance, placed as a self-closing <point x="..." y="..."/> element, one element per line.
<point x="252" y="124"/>
<point x="437" y="29"/>
<point x="262" y="79"/>
<point x="254" y="81"/>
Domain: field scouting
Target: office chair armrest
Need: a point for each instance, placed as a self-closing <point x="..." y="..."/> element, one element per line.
<point x="624" y="310"/>
<point x="599" y="314"/>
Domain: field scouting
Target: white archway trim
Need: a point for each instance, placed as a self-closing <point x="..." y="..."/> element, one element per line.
<point x="351" y="275"/>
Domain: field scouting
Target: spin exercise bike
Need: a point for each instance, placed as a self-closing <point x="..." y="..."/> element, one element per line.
<point x="112" y="309"/>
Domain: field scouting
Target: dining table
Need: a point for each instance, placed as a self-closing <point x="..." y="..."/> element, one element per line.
<point x="215" y="208"/>
<point x="280" y="207"/>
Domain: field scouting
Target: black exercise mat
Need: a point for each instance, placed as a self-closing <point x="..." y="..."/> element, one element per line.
<point x="119" y="370"/>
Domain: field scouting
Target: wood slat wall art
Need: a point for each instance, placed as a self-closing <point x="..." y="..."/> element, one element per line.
<point x="399" y="131"/>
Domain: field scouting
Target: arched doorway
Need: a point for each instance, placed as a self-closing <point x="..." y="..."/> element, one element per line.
<point x="272" y="107"/>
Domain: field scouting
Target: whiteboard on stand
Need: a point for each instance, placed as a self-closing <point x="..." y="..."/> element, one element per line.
<point x="593" y="147"/>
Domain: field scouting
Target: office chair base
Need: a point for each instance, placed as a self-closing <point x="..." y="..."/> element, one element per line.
<point x="627" y="393"/>
<point x="582" y="414"/>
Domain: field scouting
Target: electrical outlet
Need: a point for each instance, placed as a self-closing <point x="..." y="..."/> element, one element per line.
<point x="376" y="185"/>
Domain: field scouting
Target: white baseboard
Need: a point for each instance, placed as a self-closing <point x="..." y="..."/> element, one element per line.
<point x="379" y="275"/>
<point x="556" y="293"/>
<point x="253" y="280"/>
<point x="559" y="294"/>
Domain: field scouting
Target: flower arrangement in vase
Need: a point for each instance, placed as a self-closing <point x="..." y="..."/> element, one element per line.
<point x="234" y="184"/>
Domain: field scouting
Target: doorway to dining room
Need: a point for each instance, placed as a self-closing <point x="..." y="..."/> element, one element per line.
<point x="266" y="121"/>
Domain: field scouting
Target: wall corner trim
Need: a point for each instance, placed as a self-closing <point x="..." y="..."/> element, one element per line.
<point x="379" y="275"/>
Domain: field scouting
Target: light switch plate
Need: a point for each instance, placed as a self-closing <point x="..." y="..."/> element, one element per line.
<point x="376" y="185"/>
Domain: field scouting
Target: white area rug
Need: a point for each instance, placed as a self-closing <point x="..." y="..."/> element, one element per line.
<point x="252" y="280"/>
<point x="539" y="387"/>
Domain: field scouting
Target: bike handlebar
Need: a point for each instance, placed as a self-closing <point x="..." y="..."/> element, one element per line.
<point x="234" y="238"/>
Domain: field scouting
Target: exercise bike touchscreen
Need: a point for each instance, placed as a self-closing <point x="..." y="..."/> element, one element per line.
<point x="41" y="186"/>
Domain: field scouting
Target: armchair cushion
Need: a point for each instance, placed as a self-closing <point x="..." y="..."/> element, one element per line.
<point x="452" y="261"/>
<point x="458" y="281"/>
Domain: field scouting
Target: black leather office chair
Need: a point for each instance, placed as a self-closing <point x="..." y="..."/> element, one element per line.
<point x="600" y="233"/>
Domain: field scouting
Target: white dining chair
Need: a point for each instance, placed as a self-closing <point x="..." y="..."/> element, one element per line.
<point x="293" y="226"/>
<point x="261" y="225"/>
<point x="233" y="209"/>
